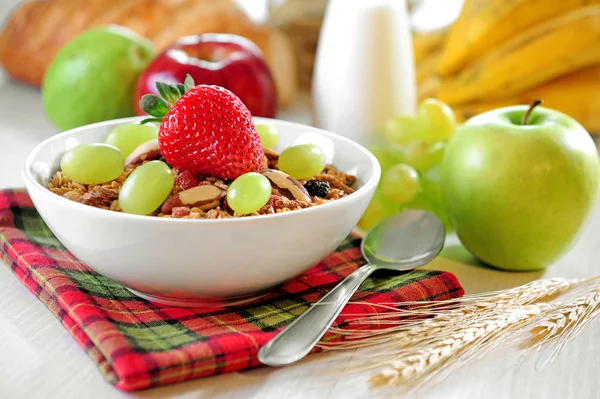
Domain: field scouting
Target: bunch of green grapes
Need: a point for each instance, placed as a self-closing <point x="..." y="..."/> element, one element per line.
<point x="410" y="163"/>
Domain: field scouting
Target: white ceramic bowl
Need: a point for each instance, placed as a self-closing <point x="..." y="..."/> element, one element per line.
<point x="199" y="262"/>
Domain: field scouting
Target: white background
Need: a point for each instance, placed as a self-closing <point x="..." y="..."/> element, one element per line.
<point x="39" y="359"/>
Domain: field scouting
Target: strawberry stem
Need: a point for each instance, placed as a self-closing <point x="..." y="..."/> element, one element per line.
<point x="147" y="120"/>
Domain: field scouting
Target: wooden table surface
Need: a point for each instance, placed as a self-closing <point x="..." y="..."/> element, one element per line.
<point x="38" y="358"/>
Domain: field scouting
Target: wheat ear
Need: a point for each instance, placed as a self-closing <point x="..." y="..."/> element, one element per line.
<point x="418" y="322"/>
<point x="564" y="321"/>
<point x="429" y="340"/>
<point x="448" y="351"/>
<point x="434" y="347"/>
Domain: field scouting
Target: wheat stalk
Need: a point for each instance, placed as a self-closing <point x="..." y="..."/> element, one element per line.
<point x="429" y="340"/>
<point x="448" y="316"/>
<point x="447" y="351"/>
<point x="564" y="321"/>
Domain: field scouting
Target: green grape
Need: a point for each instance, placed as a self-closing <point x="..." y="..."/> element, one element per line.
<point x="302" y="161"/>
<point x="434" y="155"/>
<point x="269" y="134"/>
<point x="92" y="163"/>
<point x="423" y="156"/>
<point x="402" y="128"/>
<point x="430" y="197"/>
<point x="146" y="188"/>
<point x="424" y="202"/>
<point x="401" y="183"/>
<point x="248" y="193"/>
<point x="438" y="120"/>
<point x="387" y="156"/>
<point x="379" y="208"/>
<point x="415" y="154"/>
<point x="431" y="184"/>
<point x="130" y="136"/>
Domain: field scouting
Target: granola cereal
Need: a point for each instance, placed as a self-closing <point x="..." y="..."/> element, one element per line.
<point x="105" y="196"/>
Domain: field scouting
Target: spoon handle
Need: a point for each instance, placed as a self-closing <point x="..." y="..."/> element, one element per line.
<point x="297" y="339"/>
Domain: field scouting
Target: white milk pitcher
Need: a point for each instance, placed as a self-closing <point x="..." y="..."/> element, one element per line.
<point x="364" y="68"/>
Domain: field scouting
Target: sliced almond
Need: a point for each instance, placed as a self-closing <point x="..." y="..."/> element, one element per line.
<point x="285" y="185"/>
<point x="204" y="197"/>
<point x="270" y="154"/>
<point x="147" y="151"/>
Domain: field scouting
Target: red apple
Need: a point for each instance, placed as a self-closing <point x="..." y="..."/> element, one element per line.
<point x="226" y="60"/>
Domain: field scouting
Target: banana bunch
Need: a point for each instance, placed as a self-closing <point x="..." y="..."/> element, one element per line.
<point x="507" y="52"/>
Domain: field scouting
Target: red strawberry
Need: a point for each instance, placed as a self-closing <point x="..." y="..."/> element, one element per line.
<point x="208" y="130"/>
<point x="185" y="180"/>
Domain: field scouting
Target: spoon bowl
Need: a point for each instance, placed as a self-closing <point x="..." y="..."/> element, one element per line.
<point x="400" y="242"/>
<point x="404" y="241"/>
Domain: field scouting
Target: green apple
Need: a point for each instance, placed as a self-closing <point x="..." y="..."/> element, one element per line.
<point x="518" y="193"/>
<point x="93" y="77"/>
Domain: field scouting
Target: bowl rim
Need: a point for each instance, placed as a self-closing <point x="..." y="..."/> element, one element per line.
<point x="367" y="186"/>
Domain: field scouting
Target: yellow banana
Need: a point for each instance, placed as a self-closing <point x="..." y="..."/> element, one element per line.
<point x="561" y="45"/>
<point x="576" y="94"/>
<point x="426" y="43"/>
<point x="428" y="88"/>
<point x="426" y="67"/>
<point x="485" y="24"/>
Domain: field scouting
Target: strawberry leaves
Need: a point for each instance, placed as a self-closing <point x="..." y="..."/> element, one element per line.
<point x="169" y="92"/>
<point x="188" y="83"/>
<point x="156" y="106"/>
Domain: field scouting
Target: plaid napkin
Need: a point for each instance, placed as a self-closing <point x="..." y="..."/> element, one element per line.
<point x="137" y="344"/>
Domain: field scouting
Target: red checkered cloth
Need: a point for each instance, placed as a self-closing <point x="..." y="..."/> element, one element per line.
<point x="137" y="344"/>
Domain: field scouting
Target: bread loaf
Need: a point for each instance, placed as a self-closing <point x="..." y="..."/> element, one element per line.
<point x="37" y="30"/>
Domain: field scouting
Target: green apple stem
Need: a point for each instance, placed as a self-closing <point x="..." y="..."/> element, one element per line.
<point x="534" y="104"/>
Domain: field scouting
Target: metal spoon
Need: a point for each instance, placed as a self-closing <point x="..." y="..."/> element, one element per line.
<point x="401" y="242"/>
